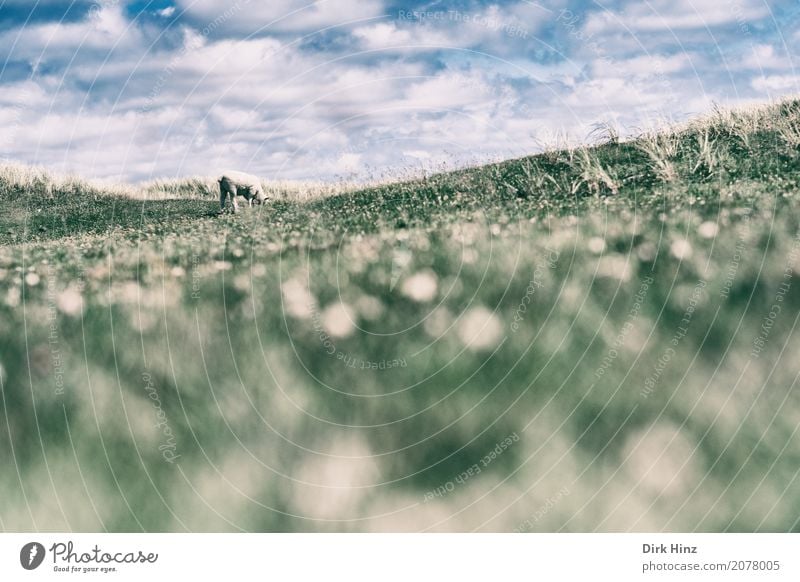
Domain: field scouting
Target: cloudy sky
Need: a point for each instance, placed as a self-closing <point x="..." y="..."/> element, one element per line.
<point x="364" y="88"/>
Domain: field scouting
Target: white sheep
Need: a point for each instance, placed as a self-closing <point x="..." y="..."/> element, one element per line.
<point x="240" y="184"/>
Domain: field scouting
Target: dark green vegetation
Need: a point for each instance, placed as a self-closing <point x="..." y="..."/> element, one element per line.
<point x="619" y="322"/>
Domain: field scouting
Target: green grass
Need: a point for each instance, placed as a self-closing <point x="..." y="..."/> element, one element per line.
<point x="122" y="308"/>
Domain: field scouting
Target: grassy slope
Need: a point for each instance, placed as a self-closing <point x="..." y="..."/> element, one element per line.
<point x="276" y="434"/>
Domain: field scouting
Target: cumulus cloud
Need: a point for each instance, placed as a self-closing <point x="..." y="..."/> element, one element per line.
<point x="766" y="56"/>
<point x="319" y="89"/>
<point x="777" y="84"/>
<point x="674" y="15"/>
<point x="105" y="28"/>
<point x="252" y="16"/>
<point x="502" y="30"/>
<point x="389" y="35"/>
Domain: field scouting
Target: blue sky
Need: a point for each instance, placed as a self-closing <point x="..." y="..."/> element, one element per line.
<point x="365" y="88"/>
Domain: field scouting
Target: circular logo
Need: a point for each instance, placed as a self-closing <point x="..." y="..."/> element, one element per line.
<point x="31" y="555"/>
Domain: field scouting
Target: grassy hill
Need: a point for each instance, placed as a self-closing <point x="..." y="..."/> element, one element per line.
<point x="601" y="338"/>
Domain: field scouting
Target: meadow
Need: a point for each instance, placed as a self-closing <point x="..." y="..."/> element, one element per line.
<point x="595" y="338"/>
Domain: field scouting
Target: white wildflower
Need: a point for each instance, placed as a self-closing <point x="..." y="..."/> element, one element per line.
<point x="421" y="287"/>
<point x="480" y="329"/>
<point x="70" y="301"/>
<point x="708" y="229"/>
<point x="337" y="319"/>
<point x="596" y="245"/>
<point x="297" y="300"/>
<point x="681" y="249"/>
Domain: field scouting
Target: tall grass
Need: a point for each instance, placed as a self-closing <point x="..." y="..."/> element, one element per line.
<point x="24" y="179"/>
<point x="692" y="150"/>
<point x="662" y="150"/>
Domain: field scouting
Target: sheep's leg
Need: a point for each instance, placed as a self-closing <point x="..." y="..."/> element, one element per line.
<point x="223" y="193"/>
<point x="235" y="192"/>
<point x="249" y="194"/>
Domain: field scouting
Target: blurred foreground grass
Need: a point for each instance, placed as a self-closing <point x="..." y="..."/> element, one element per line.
<point x="596" y="339"/>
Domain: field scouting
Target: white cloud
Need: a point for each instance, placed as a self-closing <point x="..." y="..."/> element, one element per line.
<point x="644" y="65"/>
<point x="449" y="91"/>
<point x="248" y="16"/>
<point x="777" y="84"/>
<point x="202" y="98"/>
<point x="104" y="29"/>
<point x="389" y="35"/>
<point x="498" y="30"/>
<point x="764" y="56"/>
<point x="666" y="15"/>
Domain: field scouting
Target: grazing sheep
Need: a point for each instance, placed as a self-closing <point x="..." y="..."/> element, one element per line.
<point x="240" y="184"/>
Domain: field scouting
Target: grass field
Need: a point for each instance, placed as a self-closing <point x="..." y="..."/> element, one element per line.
<point x="596" y="339"/>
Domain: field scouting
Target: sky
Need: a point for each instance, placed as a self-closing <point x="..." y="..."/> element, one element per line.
<point x="365" y="89"/>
